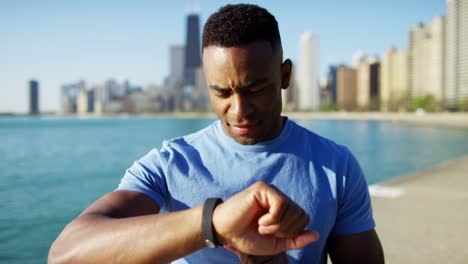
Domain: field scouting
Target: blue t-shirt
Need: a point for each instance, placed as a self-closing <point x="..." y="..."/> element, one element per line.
<point x="321" y="176"/>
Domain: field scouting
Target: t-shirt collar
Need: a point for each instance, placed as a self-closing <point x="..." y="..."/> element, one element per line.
<point x="258" y="147"/>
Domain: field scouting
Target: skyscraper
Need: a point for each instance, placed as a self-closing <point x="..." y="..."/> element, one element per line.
<point x="33" y="97"/>
<point x="374" y="85"/>
<point x="357" y="58"/>
<point x="309" y="92"/>
<point x="176" y="66"/>
<point x="176" y="74"/>
<point x="82" y="101"/>
<point x="426" y="54"/>
<point x="332" y="83"/>
<point x="367" y="83"/>
<point x="346" y="88"/>
<point x="289" y="95"/>
<point x="456" y="82"/>
<point x="192" y="49"/>
<point x="69" y="96"/>
<point x="201" y="91"/>
<point x="363" y="83"/>
<point x="394" y="80"/>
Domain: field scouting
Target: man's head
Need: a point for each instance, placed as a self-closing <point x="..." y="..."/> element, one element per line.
<point x="236" y="25"/>
<point x="242" y="59"/>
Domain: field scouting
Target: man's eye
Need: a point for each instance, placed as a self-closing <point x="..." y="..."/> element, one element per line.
<point x="223" y="94"/>
<point x="257" y="89"/>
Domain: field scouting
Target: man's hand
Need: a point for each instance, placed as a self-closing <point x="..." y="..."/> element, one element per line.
<point x="262" y="221"/>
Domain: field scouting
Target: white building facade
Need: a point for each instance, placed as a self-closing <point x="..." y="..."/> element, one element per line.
<point x="426" y="59"/>
<point x="309" y="92"/>
<point x="456" y="61"/>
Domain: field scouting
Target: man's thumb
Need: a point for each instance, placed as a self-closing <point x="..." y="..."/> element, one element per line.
<point x="301" y="240"/>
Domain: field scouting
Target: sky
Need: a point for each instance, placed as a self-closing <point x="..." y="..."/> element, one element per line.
<point x="59" y="42"/>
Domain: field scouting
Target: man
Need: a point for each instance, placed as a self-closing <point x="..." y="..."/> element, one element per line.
<point x="285" y="189"/>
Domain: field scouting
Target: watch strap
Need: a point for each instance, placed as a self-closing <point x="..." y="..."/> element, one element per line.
<point x="208" y="233"/>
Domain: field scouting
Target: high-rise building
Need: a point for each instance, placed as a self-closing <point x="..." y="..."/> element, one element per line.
<point x="363" y="84"/>
<point x="331" y="83"/>
<point x="374" y="88"/>
<point x="346" y="88"/>
<point x="33" y="97"/>
<point x="309" y="92"/>
<point x="426" y="59"/>
<point x="289" y="96"/>
<point x="325" y="95"/>
<point x="69" y="96"/>
<point x="357" y="58"/>
<point x="367" y="83"/>
<point x="201" y="91"/>
<point x="192" y="49"/>
<point x="90" y="101"/>
<point x="394" y="80"/>
<point x="82" y="101"/>
<point x="176" y="66"/>
<point x="456" y="82"/>
<point x="101" y="98"/>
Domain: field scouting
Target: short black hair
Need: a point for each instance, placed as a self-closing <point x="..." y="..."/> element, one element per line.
<point x="241" y="24"/>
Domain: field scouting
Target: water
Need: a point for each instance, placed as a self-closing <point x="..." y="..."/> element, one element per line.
<point x="52" y="168"/>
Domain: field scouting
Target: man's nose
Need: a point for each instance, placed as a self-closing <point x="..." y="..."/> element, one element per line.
<point x="240" y="106"/>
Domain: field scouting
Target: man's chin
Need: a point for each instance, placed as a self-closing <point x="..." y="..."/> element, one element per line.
<point x="245" y="139"/>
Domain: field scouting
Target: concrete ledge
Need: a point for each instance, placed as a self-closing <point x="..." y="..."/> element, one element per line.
<point x="428" y="223"/>
<point x="455" y="120"/>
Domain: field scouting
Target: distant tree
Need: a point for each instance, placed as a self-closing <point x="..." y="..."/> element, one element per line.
<point x="374" y="104"/>
<point x="427" y="103"/>
<point x="464" y="104"/>
<point x="328" y="107"/>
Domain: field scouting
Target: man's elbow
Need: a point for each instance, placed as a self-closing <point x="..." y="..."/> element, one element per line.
<point x="62" y="249"/>
<point x="57" y="255"/>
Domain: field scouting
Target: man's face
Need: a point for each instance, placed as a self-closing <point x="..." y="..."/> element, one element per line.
<point x="244" y="86"/>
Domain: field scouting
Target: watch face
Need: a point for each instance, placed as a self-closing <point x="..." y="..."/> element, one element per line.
<point x="209" y="243"/>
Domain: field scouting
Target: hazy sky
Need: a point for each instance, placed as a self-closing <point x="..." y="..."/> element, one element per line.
<point x="60" y="42"/>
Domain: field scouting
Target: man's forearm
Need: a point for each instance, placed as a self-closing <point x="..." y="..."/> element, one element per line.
<point x="158" y="238"/>
<point x="109" y="232"/>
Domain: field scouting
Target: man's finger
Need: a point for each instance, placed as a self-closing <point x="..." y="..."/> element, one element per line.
<point x="294" y="224"/>
<point x="299" y="241"/>
<point x="274" y="201"/>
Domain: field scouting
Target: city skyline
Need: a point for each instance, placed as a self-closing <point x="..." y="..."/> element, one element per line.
<point x="58" y="43"/>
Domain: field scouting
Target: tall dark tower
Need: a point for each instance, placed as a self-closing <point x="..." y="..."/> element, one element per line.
<point x="33" y="97"/>
<point x="192" y="49"/>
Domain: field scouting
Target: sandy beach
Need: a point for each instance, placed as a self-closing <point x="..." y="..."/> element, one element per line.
<point x="423" y="217"/>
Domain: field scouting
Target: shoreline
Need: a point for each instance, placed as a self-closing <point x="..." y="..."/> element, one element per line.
<point x="443" y="119"/>
<point x="452" y="120"/>
<point x="415" y="176"/>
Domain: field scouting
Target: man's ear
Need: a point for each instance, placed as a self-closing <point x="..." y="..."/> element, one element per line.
<point x="286" y="68"/>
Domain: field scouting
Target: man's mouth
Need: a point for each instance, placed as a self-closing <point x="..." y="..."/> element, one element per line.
<point x="243" y="129"/>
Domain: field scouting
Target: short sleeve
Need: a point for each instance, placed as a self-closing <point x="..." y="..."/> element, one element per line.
<point x="354" y="207"/>
<point x="147" y="176"/>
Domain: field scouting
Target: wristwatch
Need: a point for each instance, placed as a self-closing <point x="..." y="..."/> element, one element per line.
<point x="209" y="236"/>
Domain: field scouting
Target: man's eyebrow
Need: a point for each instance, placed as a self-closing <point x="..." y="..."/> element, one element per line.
<point x="242" y="87"/>
<point x="217" y="88"/>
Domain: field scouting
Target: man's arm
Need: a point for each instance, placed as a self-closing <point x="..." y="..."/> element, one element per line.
<point x="125" y="227"/>
<point x="362" y="247"/>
